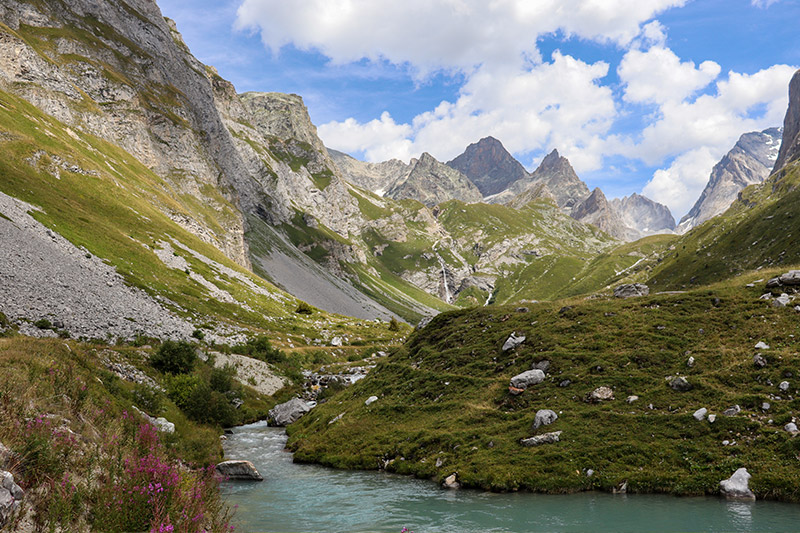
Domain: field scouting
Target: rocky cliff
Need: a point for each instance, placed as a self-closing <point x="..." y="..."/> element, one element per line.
<point x="489" y="166"/>
<point x="643" y="214"/>
<point x="790" y="148"/>
<point x="432" y="182"/>
<point x="375" y="177"/>
<point x="597" y="211"/>
<point x="749" y="161"/>
<point x="563" y="183"/>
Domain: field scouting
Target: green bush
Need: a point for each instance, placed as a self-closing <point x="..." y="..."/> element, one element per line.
<point x="394" y="325"/>
<point x="208" y="406"/>
<point x="304" y="309"/>
<point x="180" y="389"/>
<point x="174" y="357"/>
<point x="148" y="399"/>
<point x="43" y="323"/>
<point x="198" y="334"/>
<point x="221" y="379"/>
<point x="260" y="348"/>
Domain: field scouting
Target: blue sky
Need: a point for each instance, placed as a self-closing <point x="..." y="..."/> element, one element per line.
<point x="640" y="95"/>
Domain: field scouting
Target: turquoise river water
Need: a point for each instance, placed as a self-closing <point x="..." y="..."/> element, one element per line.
<point x="307" y="498"/>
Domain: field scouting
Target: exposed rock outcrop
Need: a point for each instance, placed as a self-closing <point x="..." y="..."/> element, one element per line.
<point x="643" y="214"/>
<point x="375" y="177"/>
<point x="489" y="166"/>
<point x="432" y="182"/>
<point x="597" y="211"/>
<point x="790" y="146"/>
<point x="239" y="471"/>
<point x="750" y="161"/>
<point x="285" y="413"/>
<point x="737" y="486"/>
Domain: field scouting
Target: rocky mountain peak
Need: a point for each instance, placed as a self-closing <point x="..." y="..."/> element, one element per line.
<point x="489" y="166"/>
<point x="790" y="147"/>
<point x="747" y="163"/>
<point x="643" y="214"/>
<point x="596" y="210"/>
<point x="432" y="182"/>
<point x="561" y="180"/>
<point x="283" y="115"/>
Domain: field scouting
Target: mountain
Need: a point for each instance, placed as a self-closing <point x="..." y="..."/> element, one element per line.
<point x="750" y="161"/>
<point x="375" y="177"/>
<point x="643" y="214"/>
<point x="563" y="183"/>
<point x="597" y="211"/>
<point x="790" y="146"/>
<point x="489" y="166"/>
<point x="432" y="182"/>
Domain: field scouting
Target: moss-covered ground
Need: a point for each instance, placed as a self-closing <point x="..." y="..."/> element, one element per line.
<point x="444" y="406"/>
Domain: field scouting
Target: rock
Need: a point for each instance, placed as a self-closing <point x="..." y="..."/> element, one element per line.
<point x="765" y="406"/>
<point x="700" y="414"/>
<point x="781" y="301"/>
<point x="370" y="400"/>
<point x="544" y="417"/>
<point x="527" y="378"/>
<point x="513" y="341"/>
<point x="10" y="496"/>
<point x="600" y="394"/>
<point x="631" y="290"/>
<point x="632" y="398"/>
<point x="761" y="345"/>
<point x="589" y="473"/>
<point x="621" y="489"/>
<point x="522" y="310"/>
<point x="287" y="412"/>
<point x="547" y="438"/>
<point x="543" y="365"/>
<point x="239" y="470"/>
<point x="784" y="386"/>
<point x="791" y="427"/>
<point x="451" y="482"/>
<point x="773" y="283"/>
<point x="439" y="462"/>
<point x="680" y="384"/>
<point x="736" y="487"/>
<point x="732" y="411"/>
<point x="712" y="418"/>
<point x="759" y="361"/>
<point x="565" y="383"/>
<point x="424" y="321"/>
<point x="766" y="296"/>
<point x="336" y="341"/>
<point x="163" y="425"/>
<point x="690" y="362"/>
<point x="790" y="278"/>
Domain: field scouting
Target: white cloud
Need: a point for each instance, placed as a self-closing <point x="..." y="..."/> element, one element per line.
<point x="378" y="139"/>
<point x="441" y="34"/>
<point x="679" y="185"/>
<point x="658" y="76"/>
<point x="763" y="4"/>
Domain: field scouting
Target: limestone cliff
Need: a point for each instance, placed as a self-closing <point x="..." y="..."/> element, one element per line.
<point x="432" y="182"/>
<point x="597" y="211"/>
<point x="375" y="177"/>
<point x="790" y="147"/>
<point x="643" y="214"/>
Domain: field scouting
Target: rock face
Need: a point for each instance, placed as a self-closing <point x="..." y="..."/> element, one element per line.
<point x="643" y="214"/>
<point x="631" y="290"/>
<point x="432" y="182"/>
<point x="790" y="146"/>
<point x="489" y="166"/>
<point x="239" y="470"/>
<point x="288" y="412"/>
<point x="597" y="211"/>
<point x="563" y="183"/>
<point x="375" y="177"/>
<point x="737" y="487"/>
<point x="750" y="161"/>
<point x="10" y="496"/>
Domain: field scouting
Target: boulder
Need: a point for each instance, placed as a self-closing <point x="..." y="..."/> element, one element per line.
<point x="632" y="398"/>
<point x="736" y="487"/>
<point x="781" y="301"/>
<point x="773" y="283"/>
<point x="527" y="378"/>
<point x="700" y="414"/>
<point x="711" y="418"/>
<point x="765" y="406"/>
<point x="10" y="496"/>
<point x="451" y="482"/>
<point x="732" y="411"/>
<point x="759" y="361"/>
<point x="791" y="427"/>
<point x="285" y="413"/>
<point x="790" y="278"/>
<point x="336" y="341"/>
<point x="544" y="417"/>
<point x="784" y="386"/>
<point x="565" y="383"/>
<point x="680" y="384"/>
<point x="371" y="400"/>
<point x="761" y="345"/>
<point x="513" y="341"/>
<point x="239" y="470"/>
<point x="547" y="438"/>
<point x="690" y="362"/>
<point x="543" y="365"/>
<point x="600" y="394"/>
<point x="631" y="290"/>
<point x="163" y="425"/>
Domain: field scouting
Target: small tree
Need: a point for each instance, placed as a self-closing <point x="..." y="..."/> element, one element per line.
<point x="394" y="325"/>
<point x="174" y="357"/>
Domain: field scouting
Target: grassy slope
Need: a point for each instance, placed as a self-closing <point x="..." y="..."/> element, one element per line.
<point x="444" y="396"/>
<point x="758" y="231"/>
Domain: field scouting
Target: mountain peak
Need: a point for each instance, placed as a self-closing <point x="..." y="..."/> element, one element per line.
<point x="790" y="146"/>
<point x="489" y="166"/>
<point x="559" y="176"/>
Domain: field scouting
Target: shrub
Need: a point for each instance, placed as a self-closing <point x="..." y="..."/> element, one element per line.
<point x="43" y="323"/>
<point x="304" y="309"/>
<point x="260" y="348"/>
<point x="221" y="379"/>
<point x="180" y="389"/>
<point x="198" y="334"/>
<point x="174" y="357"/>
<point x="394" y="325"/>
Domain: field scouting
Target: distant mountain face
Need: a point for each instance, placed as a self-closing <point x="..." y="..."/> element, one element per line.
<point x="489" y="166"/>
<point x="790" y="148"/>
<point x="597" y="211"/>
<point x="432" y="182"/>
<point x="749" y="161"/>
<point x="643" y="214"/>
<point x="563" y="183"/>
<point x="375" y="177"/>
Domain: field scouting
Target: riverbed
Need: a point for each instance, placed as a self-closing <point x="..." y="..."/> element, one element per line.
<point x="297" y="498"/>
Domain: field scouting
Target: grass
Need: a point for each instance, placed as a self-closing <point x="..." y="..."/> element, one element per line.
<point x="444" y="396"/>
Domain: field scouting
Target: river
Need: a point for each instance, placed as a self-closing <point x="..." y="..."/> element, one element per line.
<point x="298" y="498"/>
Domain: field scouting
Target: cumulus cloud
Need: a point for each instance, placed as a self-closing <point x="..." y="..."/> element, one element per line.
<point x="378" y="139"/>
<point x="679" y="185"/>
<point x="430" y="35"/>
<point x="763" y="4"/>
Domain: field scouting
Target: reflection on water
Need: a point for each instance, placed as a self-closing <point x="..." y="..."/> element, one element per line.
<point x="307" y="498"/>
